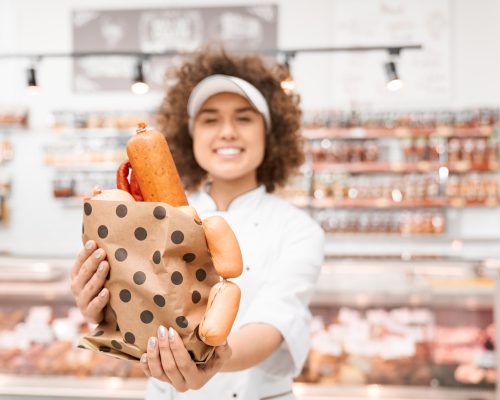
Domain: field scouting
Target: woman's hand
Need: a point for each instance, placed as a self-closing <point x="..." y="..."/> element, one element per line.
<point x="87" y="280"/>
<point x="168" y="360"/>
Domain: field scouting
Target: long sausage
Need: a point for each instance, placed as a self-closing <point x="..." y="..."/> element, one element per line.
<point x="154" y="168"/>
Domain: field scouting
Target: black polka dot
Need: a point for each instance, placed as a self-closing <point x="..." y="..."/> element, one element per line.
<point x="116" y="345"/>
<point x="99" y="333"/>
<point x="105" y="349"/>
<point x="159" y="212"/>
<point x="188" y="257"/>
<point x="201" y="274"/>
<point x="157" y="257"/>
<point x="87" y="208"/>
<point x="121" y="254"/>
<point x="176" y="278"/>
<point x="159" y="300"/>
<point x="102" y="231"/>
<point x="196" y="297"/>
<point x="129" y="338"/>
<point x="147" y="316"/>
<point x="121" y="210"/>
<point x="139" y="278"/>
<point x="125" y="295"/>
<point x="177" y="237"/>
<point x="117" y="328"/>
<point x="182" y="321"/>
<point x="140" y="234"/>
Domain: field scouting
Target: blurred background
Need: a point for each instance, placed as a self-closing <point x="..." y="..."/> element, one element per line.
<point x="401" y="106"/>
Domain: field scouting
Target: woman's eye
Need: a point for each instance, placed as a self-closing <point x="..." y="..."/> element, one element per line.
<point x="210" y="121"/>
<point x="244" y="119"/>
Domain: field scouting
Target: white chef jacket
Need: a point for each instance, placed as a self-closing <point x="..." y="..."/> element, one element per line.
<point x="282" y="250"/>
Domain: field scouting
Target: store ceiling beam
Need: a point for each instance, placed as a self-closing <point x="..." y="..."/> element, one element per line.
<point x="171" y="53"/>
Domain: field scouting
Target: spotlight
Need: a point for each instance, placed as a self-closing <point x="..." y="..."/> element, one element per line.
<point x="139" y="85"/>
<point x="32" y="85"/>
<point x="394" y="82"/>
<point x="288" y="84"/>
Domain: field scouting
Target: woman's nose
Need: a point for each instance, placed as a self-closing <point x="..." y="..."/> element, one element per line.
<point x="228" y="130"/>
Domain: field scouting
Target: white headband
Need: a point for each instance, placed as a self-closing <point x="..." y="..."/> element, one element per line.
<point x="215" y="84"/>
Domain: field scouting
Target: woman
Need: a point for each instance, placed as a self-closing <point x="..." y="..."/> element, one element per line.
<point x="234" y="134"/>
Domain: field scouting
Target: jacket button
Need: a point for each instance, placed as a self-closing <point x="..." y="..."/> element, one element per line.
<point x="235" y="395"/>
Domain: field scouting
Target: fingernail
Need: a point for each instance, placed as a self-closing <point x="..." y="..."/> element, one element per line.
<point x="162" y="331"/>
<point x="89" y="244"/>
<point x="152" y="343"/>
<point x="144" y="358"/>
<point x="98" y="253"/>
<point x="100" y="268"/>
<point x="171" y="334"/>
<point x="102" y="293"/>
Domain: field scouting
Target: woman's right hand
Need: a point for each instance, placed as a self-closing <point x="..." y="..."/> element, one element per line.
<point x="88" y="276"/>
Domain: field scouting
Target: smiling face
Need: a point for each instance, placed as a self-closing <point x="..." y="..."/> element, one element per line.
<point x="229" y="138"/>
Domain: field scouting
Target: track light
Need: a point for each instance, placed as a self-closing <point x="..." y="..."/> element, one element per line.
<point x="288" y="84"/>
<point x="394" y="82"/>
<point x="31" y="82"/>
<point x="139" y="85"/>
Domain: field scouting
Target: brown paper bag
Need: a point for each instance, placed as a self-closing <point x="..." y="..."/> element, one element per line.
<point x="160" y="274"/>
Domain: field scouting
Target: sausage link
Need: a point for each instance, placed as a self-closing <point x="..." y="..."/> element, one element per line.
<point x="135" y="190"/>
<point x="122" y="176"/>
<point x="222" y="308"/>
<point x="223" y="247"/>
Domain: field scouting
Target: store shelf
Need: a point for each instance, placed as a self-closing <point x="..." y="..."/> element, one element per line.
<point x="134" y="389"/>
<point x="90" y="167"/>
<point x="68" y="387"/>
<point x="94" y="132"/>
<point x="380" y="133"/>
<point x="389" y="204"/>
<point x="404" y="167"/>
<point x="378" y="203"/>
<point x="306" y="391"/>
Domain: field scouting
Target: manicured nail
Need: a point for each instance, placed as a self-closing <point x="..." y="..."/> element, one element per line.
<point x="144" y="358"/>
<point x="89" y="244"/>
<point x="98" y="253"/>
<point x="162" y="331"/>
<point x="100" y="268"/>
<point x="152" y="343"/>
<point x="103" y="293"/>
<point x="171" y="334"/>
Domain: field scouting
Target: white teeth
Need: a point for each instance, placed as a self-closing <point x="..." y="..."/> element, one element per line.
<point x="228" y="151"/>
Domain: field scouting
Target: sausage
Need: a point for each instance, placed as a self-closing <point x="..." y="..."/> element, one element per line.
<point x="223" y="247"/>
<point x="122" y="176"/>
<point x="154" y="167"/>
<point x="135" y="190"/>
<point x="222" y="307"/>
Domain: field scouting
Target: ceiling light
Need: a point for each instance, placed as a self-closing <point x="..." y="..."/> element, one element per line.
<point x="139" y="85"/>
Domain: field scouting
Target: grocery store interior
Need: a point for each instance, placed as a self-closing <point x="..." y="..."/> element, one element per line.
<point x="401" y="127"/>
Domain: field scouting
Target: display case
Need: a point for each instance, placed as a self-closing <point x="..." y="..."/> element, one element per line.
<point x="382" y="328"/>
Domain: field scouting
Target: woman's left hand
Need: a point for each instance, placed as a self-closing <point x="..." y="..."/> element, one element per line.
<point x="168" y="360"/>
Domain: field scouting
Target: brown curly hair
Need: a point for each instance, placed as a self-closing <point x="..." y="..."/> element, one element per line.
<point x="284" y="145"/>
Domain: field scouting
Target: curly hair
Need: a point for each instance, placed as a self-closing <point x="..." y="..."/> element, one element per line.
<point x="284" y="144"/>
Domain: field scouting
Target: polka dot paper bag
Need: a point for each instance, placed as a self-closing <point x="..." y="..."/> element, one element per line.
<point x="160" y="274"/>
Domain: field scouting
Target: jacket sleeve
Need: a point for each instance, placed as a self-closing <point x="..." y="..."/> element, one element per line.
<point x="283" y="299"/>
